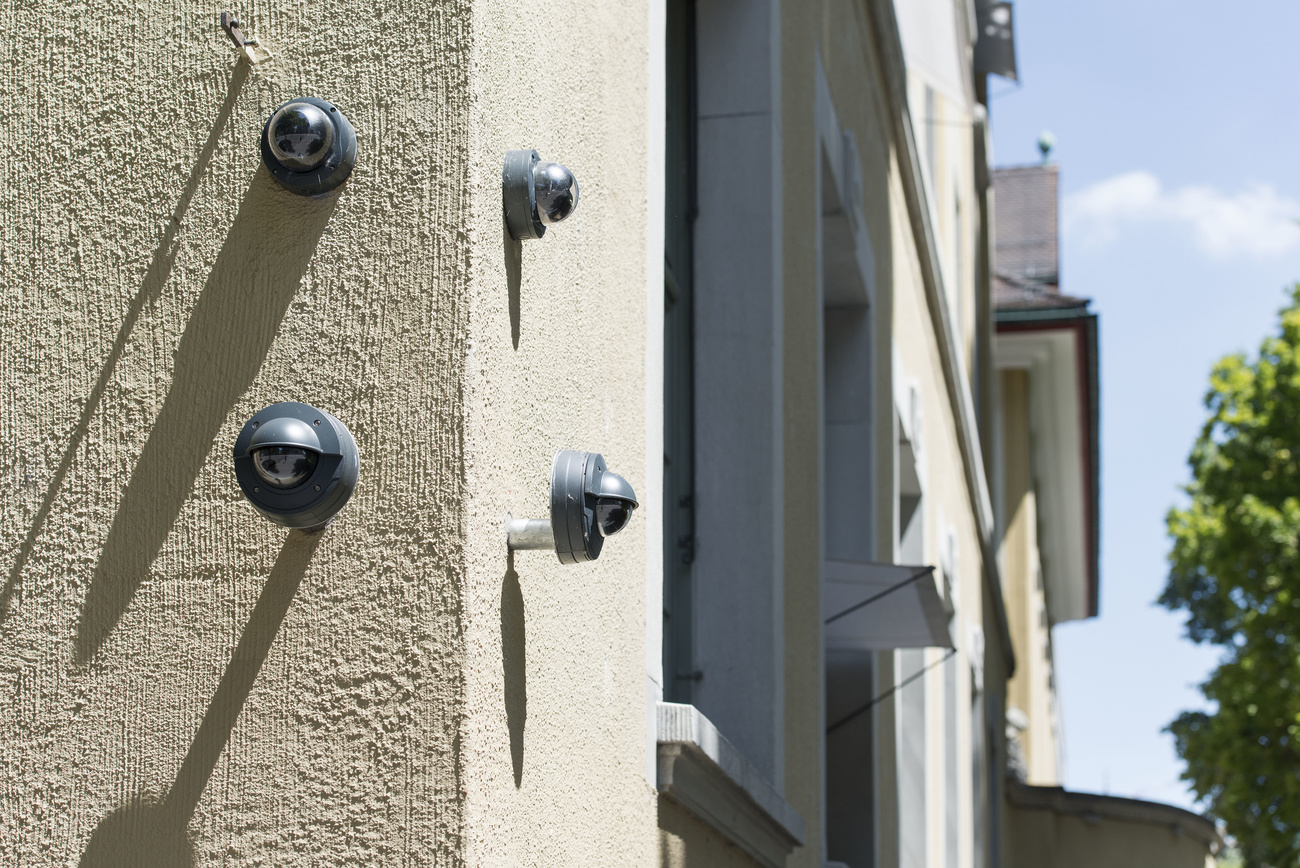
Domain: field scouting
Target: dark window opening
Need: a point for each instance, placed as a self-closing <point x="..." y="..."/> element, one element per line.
<point x="679" y="368"/>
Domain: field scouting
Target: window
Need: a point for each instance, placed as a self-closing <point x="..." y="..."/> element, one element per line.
<point x="679" y="356"/>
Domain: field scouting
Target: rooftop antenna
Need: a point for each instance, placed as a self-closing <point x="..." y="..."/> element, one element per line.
<point x="1046" y="141"/>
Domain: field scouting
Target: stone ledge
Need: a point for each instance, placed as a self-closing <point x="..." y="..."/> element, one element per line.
<point x="705" y="774"/>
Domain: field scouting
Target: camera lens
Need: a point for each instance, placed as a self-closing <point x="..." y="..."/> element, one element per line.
<point x="557" y="192"/>
<point x="612" y="514"/>
<point x="301" y="136"/>
<point x="284" y="467"/>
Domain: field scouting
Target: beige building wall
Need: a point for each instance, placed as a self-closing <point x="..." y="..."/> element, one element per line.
<point x="191" y="682"/>
<point x="949" y="521"/>
<point x="685" y="841"/>
<point x="835" y="39"/>
<point x="1050" y="826"/>
<point x="906" y="335"/>
<point x="942" y="124"/>
<point x="1040" y="838"/>
<point x="557" y="719"/>
<point x="838" y="39"/>
<point x="1031" y="690"/>
<point x="184" y="679"/>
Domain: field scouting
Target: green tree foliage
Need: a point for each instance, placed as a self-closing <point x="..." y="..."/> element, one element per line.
<point x="1235" y="568"/>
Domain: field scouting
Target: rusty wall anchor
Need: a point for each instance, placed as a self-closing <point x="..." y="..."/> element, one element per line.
<point x="248" y="46"/>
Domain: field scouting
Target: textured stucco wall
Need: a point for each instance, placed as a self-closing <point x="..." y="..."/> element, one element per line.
<point x="183" y="682"/>
<point x="556" y="742"/>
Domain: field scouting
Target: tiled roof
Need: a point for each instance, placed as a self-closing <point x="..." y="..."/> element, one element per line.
<point x="1025" y="230"/>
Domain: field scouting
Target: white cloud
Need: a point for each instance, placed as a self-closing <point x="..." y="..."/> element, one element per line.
<point x="1256" y="222"/>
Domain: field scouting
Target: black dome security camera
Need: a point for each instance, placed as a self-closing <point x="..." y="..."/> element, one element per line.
<point x="615" y="501"/>
<point x="309" y="146"/>
<point x="534" y="194"/>
<point x="589" y="503"/>
<point x="296" y="464"/>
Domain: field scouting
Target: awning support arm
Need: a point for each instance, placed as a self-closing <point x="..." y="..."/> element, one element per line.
<point x="891" y="691"/>
<point x="923" y="571"/>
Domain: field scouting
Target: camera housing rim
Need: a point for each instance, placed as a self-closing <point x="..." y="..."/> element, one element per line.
<point x="337" y="165"/>
<point x="519" y="194"/>
<point x="576" y="486"/>
<point x="314" y="502"/>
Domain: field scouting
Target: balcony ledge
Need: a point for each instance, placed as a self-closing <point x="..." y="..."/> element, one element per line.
<point x="705" y="774"/>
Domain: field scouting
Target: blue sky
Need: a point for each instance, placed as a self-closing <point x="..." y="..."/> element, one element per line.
<point x="1177" y="138"/>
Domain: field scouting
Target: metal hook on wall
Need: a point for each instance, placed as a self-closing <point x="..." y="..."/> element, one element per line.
<point x="249" y="47"/>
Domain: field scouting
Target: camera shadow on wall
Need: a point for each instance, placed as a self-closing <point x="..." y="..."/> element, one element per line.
<point x="155" y="278"/>
<point x="514" y="255"/>
<point x="514" y="665"/>
<point x="156" y="833"/>
<point x="229" y="333"/>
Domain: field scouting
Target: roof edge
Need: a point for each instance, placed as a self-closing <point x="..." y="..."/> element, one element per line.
<point x="1045" y="316"/>
<point x="1064" y="802"/>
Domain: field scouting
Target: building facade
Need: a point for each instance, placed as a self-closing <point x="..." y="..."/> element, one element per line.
<point x="773" y="312"/>
<point x="1047" y="499"/>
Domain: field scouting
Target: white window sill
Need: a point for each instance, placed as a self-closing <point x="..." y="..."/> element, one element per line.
<point x="705" y="774"/>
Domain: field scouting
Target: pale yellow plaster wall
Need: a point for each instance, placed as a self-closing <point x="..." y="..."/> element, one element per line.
<point x="685" y="842"/>
<point x="845" y="44"/>
<point x="843" y="41"/>
<point x="1018" y="548"/>
<point x="556" y="737"/>
<point x="947" y="505"/>
<point x="1031" y="687"/>
<point x="184" y="682"/>
<point x="837" y="34"/>
<point x="1040" y="837"/>
<point x="951" y="129"/>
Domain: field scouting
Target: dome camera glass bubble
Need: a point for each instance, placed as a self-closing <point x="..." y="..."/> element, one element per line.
<point x="612" y="514"/>
<point x="301" y="136"/>
<point x="557" y="192"/>
<point x="284" y="467"/>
